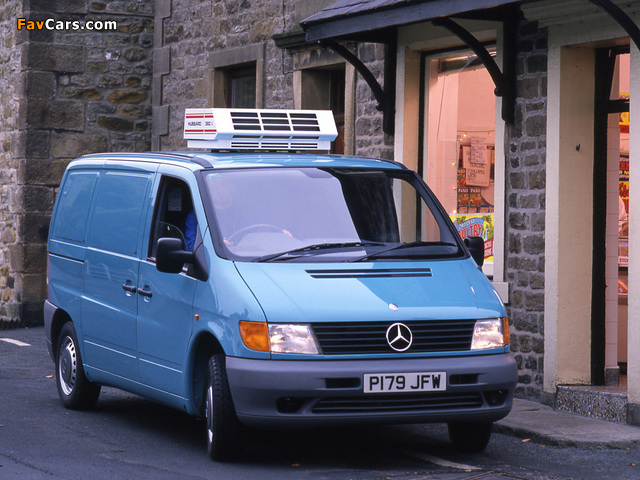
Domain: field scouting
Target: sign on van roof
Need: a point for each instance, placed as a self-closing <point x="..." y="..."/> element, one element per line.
<point x="255" y="129"/>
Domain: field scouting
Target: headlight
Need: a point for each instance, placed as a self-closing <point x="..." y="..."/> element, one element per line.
<point x="292" y="339"/>
<point x="279" y="338"/>
<point x="490" y="333"/>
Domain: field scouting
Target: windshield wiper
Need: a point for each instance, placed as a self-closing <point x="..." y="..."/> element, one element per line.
<point x="418" y="243"/>
<point x="317" y="246"/>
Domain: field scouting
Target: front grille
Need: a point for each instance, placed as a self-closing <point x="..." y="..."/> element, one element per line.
<point x="398" y="403"/>
<point x="370" y="337"/>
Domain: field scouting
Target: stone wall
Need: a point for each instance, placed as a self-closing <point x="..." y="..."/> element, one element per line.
<point x="190" y="32"/>
<point x="83" y="92"/>
<point x="11" y="148"/>
<point x="370" y="139"/>
<point x="525" y="213"/>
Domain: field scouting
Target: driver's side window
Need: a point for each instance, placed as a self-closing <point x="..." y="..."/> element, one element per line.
<point x="174" y="216"/>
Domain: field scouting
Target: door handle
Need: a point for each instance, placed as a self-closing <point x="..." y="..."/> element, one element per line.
<point x="145" y="293"/>
<point x="129" y="288"/>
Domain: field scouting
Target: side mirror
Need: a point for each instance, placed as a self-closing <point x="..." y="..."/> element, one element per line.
<point x="476" y="249"/>
<point x="171" y="256"/>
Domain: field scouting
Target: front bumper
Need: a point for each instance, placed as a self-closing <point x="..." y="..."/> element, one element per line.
<point x="298" y="393"/>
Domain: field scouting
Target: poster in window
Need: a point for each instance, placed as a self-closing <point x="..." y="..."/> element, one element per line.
<point x="477" y="162"/>
<point x="476" y="225"/>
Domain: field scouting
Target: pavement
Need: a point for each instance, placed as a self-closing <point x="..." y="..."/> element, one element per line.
<point x="540" y="423"/>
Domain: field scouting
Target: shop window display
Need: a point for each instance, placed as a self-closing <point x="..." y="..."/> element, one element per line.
<point x="461" y="151"/>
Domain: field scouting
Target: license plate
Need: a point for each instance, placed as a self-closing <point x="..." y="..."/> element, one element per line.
<point x="405" y="382"/>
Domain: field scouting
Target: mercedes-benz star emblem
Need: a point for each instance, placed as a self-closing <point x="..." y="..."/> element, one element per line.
<point x="399" y="337"/>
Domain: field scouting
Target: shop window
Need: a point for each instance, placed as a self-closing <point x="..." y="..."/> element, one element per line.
<point x="461" y="145"/>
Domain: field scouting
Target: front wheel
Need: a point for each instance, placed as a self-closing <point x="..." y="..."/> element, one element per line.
<point x="470" y="437"/>
<point x="223" y="427"/>
<point x="74" y="389"/>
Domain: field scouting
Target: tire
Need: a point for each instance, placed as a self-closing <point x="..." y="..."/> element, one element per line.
<point x="470" y="437"/>
<point x="223" y="427"/>
<point x="74" y="389"/>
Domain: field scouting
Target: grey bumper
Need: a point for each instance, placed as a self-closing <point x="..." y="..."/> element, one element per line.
<point x="298" y="393"/>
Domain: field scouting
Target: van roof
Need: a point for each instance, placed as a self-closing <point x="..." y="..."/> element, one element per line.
<point x="223" y="160"/>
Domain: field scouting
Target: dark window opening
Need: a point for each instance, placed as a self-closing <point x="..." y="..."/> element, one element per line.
<point x="241" y="87"/>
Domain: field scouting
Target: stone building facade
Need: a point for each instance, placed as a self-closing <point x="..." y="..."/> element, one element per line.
<point x="12" y="92"/>
<point x="64" y="93"/>
<point x="196" y="42"/>
<point x="67" y="93"/>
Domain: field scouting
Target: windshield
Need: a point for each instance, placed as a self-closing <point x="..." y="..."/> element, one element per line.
<point x="328" y="214"/>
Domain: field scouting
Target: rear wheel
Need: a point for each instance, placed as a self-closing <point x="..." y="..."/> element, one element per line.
<point x="223" y="428"/>
<point x="470" y="437"/>
<point x="74" y="389"/>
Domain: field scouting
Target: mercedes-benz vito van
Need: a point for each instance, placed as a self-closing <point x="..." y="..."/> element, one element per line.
<point x="254" y="286"/>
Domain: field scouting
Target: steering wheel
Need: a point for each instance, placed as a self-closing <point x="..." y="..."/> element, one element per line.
<point x="258" y="227"/>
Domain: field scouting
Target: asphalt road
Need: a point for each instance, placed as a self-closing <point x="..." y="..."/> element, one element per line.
<point x="128" y="437"/>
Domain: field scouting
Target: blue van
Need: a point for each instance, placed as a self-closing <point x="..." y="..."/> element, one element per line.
<point x="253" y="285"/>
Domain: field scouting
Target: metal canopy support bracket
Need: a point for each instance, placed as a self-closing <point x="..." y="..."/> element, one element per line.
<point x="504" y="81"/>
<point x="384" y="96"/>
<point x="622" y="18"/>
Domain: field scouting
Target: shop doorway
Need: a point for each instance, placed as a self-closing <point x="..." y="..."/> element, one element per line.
<point x="610" y="218"/>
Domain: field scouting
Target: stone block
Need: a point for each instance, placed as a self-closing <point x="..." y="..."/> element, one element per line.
<point x="163" y="8"/>
<point x="536" y="125"/>
<point x="132" y="81"/>
<point x="533" y="244"/>
<point x="34" y="227"/>
<point x="128" y="96"/>
<point x="97" y="67"/>
<point x="61" y="115"/>
<point x="109" y="81"/>
<point x="537" y="180"/>
<point x="56" y="58"/>
<point x="134" y="111"/>
<point x="59" y="6"/>
<point x="135" y="54"/>
<point x="537" y="63"/>
<point x="35" y="263"/>
<point x="162" y="61"/>
<point x="71" y="145"/>
<point x="534" y="302"/>
<point x="81" y="93"/>
<point x="131" y="27"/>
<point x="538" y="222"/>
<point x="41" y="85"/>
<point x="37" y="199"/>
<point x="517" y="180"/>
<point x="41" y="171"/>
<point x="16" y="256"/>
<point x="37" y="144"/>
<point x="156" y="91"/>
<point x="160" y="123"/>
<point x="517" y="220"/>
<point x="116" y="123"/>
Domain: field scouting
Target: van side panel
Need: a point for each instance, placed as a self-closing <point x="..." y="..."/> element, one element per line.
<point x="67" y="243"/>
<point x="111" y="273"/>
